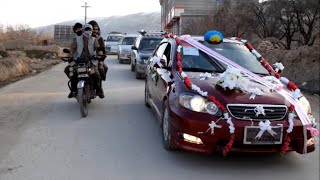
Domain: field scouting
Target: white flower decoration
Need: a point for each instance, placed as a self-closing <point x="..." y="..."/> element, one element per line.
<point x="278" y="66"/>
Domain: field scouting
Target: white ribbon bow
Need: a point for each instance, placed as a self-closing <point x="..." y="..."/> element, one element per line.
<point x="265" y="126"/>
<point x="278" y="66"/>
<point x="213" y="125"/>
<point x="259" y="110"/>
<point x="204" y="76"/>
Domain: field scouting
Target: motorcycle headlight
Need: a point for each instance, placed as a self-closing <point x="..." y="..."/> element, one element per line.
<point x="198" y="104"/>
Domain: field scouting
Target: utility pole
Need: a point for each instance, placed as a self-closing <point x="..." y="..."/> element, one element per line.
<point x="85" y="12"/>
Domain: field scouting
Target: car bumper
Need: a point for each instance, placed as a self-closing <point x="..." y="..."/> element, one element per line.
<point x="182" y="123"/>
<point x="141" y="68"/>
<point x="124" y="56"/>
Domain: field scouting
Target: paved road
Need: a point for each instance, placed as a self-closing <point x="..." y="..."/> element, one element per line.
<point x="42" y="137"/>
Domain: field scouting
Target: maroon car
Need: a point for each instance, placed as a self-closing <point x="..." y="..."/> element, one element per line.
<point x="202" y="108"/>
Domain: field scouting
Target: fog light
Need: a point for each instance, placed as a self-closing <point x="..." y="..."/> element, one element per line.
<point x="191" y="139"/>
<point x="70" y="68"/>
<point x="71" y="73"/>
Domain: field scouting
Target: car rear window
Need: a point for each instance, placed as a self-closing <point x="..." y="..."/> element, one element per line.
<point x="149" y="43"/>
<point x="128" y="41"/>
<point x="114" y="38"/>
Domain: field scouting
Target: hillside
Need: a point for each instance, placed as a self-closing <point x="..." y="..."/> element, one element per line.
<point x="126" y="24"/>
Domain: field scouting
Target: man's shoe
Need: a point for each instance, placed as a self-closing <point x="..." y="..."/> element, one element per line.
<point x="71" y="95"/>
<point x="101" y="94"/>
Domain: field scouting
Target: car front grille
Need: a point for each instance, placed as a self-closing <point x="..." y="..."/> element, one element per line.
<point x="247" y="111"/>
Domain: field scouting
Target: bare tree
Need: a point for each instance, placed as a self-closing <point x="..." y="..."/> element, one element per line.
<point x="266" y="20"/>
<point x="307" y="14"/>
<point x="288" y="25"/>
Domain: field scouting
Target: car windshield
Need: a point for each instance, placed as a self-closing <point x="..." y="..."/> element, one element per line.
<point x="114" y="38"/>
<point x="197" y="61"/>
<point x="128" y="41"/>
<point x="149" y="43"/>
<point x="239" y="54"/>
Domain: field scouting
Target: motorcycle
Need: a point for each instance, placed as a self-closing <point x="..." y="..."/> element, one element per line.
<point x="86" y="87"/>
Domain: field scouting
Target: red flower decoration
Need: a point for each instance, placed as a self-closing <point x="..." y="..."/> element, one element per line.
<point x="228" y="147"/>
<point x="166" y="36"/>
<point x="178" y="41"/>
<point x="179" y="57"/>
<point x="292" y="86"/>
<point x="249" y="46"/>
<point x="277" y="75"/>
<point x="187" y="82"/>
<point x="291" y="108"/>
<point x="285" y="146"/>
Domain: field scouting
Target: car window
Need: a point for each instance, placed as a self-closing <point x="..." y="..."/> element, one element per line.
<point x="128" y="41"/>
<point x="239" y="54"/>
<point x="114" y="38"/>
<point x="161" y="49"/>
<point x="197" y="61"/>
<point x="149" y="43"/>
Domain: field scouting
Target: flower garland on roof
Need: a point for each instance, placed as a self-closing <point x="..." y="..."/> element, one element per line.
<point x="194" y="87"/>
<point x="291" y="86"/>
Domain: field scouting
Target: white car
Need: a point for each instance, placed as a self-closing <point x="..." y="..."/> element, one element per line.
<point x="112" y="43"/>
<point x="124" y="50"/>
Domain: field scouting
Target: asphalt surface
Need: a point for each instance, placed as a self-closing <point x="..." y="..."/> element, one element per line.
<point x="43" y="137"/>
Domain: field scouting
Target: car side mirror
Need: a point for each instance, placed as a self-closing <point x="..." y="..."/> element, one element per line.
<point x="134" y="48"/>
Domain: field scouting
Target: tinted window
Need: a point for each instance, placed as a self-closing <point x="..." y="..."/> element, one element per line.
<point x="149" y="43"/>
<point x="239" y="54"/>
<point x="114" y="38"/>
<point x="197" y="61"/>
<point x="128" y="41"/>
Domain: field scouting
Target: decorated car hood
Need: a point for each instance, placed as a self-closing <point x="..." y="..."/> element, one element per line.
<point x="260" y="94"/>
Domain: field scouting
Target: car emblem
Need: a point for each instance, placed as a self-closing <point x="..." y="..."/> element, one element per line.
<point x="259" y="110"/>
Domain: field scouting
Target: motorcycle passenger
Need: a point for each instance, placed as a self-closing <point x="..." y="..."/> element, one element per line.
<point x="84" y="46"/>
<point x="96" y="32"/>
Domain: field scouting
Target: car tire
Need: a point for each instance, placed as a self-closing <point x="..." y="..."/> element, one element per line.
<point x="165" y="124"/>
<point x="138" y="75"/>
<point x="146" y="95"/>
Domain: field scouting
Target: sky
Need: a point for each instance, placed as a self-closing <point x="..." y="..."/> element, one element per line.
<point x="36" y="13"/>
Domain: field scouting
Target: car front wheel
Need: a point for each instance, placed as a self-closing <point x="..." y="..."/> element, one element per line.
<point x="146" y="95"/>
<point x="166" y="134"/>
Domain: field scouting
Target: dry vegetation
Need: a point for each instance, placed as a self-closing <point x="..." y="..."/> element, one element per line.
<point x="21" y="53"/>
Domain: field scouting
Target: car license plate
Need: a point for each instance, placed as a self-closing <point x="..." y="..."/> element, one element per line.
<point x="250" y="133"/>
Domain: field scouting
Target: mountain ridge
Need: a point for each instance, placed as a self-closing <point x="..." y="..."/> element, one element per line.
<point x="130" y="23"/>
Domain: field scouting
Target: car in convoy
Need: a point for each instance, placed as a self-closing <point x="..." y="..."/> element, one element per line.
<point x="206" y="105"/>
<point x="124" y="50"/>
<point x="112" y="42"/>
<point x="142" y="50"/>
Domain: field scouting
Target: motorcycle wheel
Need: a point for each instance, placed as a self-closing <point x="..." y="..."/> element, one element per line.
<point x="82" y="99"/>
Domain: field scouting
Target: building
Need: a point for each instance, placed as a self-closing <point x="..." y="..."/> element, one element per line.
<point x="176" y="15"/>
<point x="64" y="32"/>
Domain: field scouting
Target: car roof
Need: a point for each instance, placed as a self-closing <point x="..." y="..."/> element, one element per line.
<point x="131" y="35"/>
<point x="201" y="38"/>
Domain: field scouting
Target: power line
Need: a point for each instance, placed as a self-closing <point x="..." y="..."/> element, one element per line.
<point x="85" y="11"/>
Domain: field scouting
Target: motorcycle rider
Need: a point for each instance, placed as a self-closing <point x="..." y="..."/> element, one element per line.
<point x="84" y="46"/>
<point x="96" y="32"/>
<point x="77" y="29"/>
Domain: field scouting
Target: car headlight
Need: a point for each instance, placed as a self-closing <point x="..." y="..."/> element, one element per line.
<point x="305" y="104"/>
<point x="198" y="104"/>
